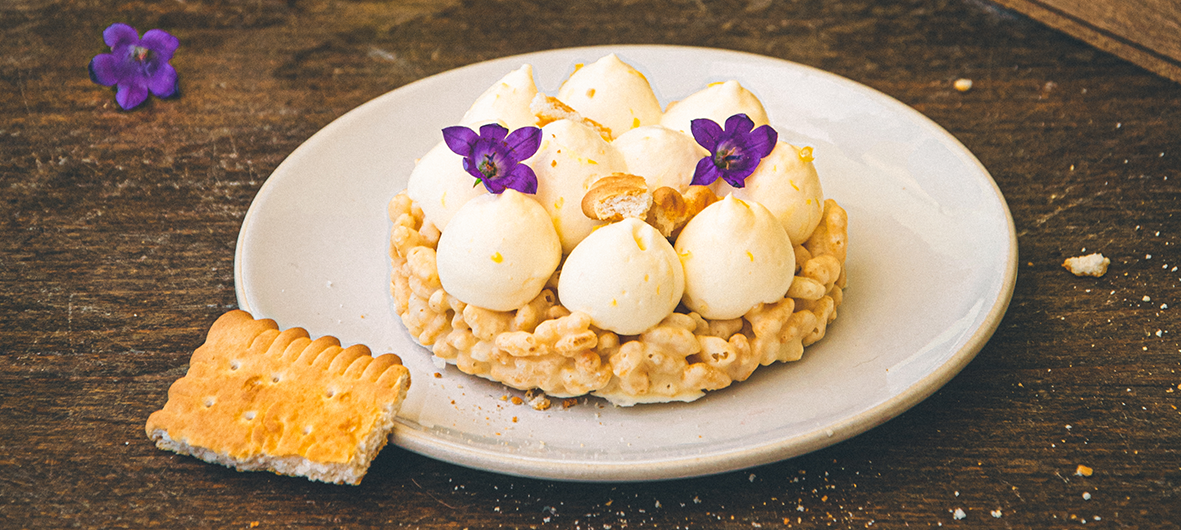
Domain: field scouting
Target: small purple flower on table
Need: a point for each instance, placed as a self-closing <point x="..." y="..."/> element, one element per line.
<point x="734" y="152"/>
<point x="136" y="66"/>
<point x="494" y="155"/>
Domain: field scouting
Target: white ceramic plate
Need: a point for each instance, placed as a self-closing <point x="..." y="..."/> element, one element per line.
<point x="931" y="268"/>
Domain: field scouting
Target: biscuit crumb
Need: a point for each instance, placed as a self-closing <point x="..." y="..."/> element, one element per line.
<point x="537" y="400"/>
<point x="963" y="84"/>
<point x="1089" y="265"/>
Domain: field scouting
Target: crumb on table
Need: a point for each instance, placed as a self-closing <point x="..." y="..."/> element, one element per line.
<point x="1089" y="265"/>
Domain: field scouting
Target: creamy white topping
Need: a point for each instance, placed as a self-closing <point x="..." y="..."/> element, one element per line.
<point x="736" y="255"/>
<point x="498" y="251"/>
<point x="787" y="184"/>
<point x="625" y="275"/>
<point x="613" y="94"/>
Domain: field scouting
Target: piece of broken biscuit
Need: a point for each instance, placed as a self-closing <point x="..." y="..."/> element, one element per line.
<point x="259" y="398"/>
<point x="549" y="109"/>
<point x="672" y="210"/>
<point x="1089" y="265"/>
<point x="616" y="197"/>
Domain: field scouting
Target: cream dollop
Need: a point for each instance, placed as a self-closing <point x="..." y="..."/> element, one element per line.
<point x="571" y="158"/>
<point x="662" y="156"/>
<point x="612" y="93"/>
<point x="787" y="184"/>
<point x="625" y="275"/>
<point x="717" y="102"/>
<point x="440" y="186"/>
<point x="498" y="251"/>
<point x="736" y="255"/>
<point x="505" y="102"/>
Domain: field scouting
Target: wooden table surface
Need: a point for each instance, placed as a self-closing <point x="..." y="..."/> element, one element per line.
<point x="118" y="229"/>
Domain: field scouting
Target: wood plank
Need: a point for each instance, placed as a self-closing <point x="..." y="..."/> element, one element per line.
<point x="1145" y="32"/>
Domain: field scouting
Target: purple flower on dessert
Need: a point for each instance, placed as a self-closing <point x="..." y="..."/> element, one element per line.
<point x="136" y="66"/>
<point x="735" y="152"/>
<point x="494" y="156"/>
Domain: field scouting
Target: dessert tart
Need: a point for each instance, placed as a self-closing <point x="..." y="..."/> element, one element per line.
<point x="614" y="248"/>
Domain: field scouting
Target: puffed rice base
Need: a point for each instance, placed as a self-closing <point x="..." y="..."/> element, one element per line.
<point x="545" y="346"/>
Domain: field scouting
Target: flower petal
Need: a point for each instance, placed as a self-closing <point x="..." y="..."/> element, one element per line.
<point x="524" y="142"/>
<point x="163" y="82"/>
<point x="472" y="170"/>
<point x="104" y="69"/>
<point x="706" y="132"/>
<point x="521" y="178"/>
<point x="130" y="95"/>
<point x="737" y="178"/>
<point x="761" y="141"/>
<point x="493" y="131"/>
<point x="707" y="172"/>
<point x="120" y="34"/>
<point x="161" y="42"/>
<point x="493" y="187"/>
<point x="460" y="139"/>
<point x="739" y="125"/>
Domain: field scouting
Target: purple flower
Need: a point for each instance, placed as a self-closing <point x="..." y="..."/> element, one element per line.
<point x="494" y="156"/>
<point x="136" y="66"/>
<point x="735" y="152"/>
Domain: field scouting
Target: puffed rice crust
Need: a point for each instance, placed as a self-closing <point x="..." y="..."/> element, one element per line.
<point x="545" y="346"/>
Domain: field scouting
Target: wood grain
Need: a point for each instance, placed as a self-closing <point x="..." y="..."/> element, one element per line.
<point x="1145" y="32"/>
<point x="117" y="235"/>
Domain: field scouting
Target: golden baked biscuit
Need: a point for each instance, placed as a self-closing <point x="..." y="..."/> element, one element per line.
<point x="257" y="398"/>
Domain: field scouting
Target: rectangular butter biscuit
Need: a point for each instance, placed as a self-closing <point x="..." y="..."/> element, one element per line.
<point x="257" y="398"/>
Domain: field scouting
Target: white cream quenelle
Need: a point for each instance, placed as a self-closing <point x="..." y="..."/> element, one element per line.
<point x="716" y="102"/>
<point x="498" y="251"/>
<point x="662" y="156"/>
<point x="736" y="255"/>
<point x="571" y="158"/>
<point x="438" y="183"/>
<point x="625" y="275"/>
<point x="613" y="94"/>
<point x="505" y="102"/>
<point x="787" y="184"/>
<point x="440" y="186"/>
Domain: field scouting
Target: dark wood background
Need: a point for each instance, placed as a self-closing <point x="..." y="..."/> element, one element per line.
<point x="117" y="234"/>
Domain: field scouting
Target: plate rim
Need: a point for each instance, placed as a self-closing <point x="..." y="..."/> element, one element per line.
<point x="686" y="466"/>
